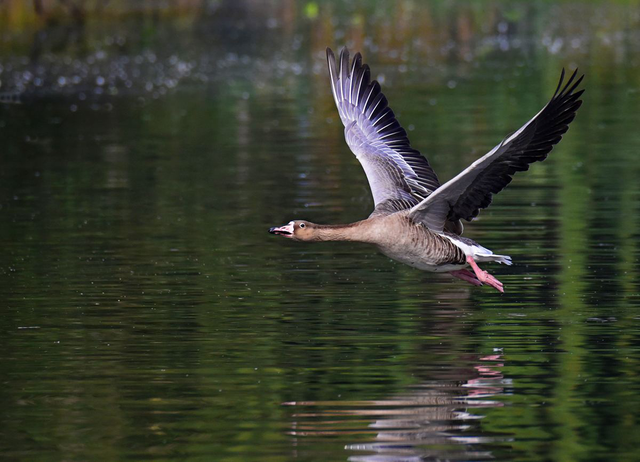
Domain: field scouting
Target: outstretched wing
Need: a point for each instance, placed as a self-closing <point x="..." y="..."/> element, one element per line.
<point x="472" y="190"/>
<point x="399" y="176"/>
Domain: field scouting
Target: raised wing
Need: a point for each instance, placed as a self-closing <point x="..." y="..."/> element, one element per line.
<point x="472" y="190"/>
<point x="399" y="176"/>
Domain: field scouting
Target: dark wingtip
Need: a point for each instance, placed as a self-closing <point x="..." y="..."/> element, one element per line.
<point x="575" y="85"/>
<point x="570" y="86"/>
<point x="569" y="82"/>
<point x="331" y="60"/>
<point x="559" y="83"/>
<point x="344" y="55"/>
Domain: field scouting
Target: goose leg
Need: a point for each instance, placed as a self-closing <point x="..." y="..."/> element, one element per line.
<point x="485" y="277"/>
<point x="467" y="276"/>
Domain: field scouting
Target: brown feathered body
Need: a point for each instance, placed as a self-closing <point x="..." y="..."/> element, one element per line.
<point x="399" y="237"/>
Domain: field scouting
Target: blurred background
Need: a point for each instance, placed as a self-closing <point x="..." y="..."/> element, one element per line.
<point x="145" y="313"/>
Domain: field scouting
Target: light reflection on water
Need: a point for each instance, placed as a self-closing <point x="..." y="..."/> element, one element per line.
<point x="408" y="426"/>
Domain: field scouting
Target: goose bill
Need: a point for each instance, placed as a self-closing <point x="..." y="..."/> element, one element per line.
<point x="286" y="230"/>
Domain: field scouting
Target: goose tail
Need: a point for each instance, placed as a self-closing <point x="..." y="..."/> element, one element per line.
<point x="503" y="259"/>
<point x="476" y="251"/>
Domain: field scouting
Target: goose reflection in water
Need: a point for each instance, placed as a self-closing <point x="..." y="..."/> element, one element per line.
<point x="435" y="420"/>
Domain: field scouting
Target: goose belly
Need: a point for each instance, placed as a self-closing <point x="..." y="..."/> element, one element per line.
<point x="420" y="260"/>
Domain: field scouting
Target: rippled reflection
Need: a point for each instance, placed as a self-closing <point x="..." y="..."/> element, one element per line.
<point x="434" y="420"/>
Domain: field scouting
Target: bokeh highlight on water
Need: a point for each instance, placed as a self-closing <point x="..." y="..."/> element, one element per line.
<point x="148" y="314"/>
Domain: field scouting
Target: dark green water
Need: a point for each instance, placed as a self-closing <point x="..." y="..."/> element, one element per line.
<point x="146" y="313"/>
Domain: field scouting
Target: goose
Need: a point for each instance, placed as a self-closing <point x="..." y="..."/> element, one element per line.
<point x="417" y="220"/>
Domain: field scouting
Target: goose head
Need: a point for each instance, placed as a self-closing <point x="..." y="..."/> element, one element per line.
<point x="298" y="230"/>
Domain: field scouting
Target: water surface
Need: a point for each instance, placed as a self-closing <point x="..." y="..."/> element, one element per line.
<point x="147" y="314"/>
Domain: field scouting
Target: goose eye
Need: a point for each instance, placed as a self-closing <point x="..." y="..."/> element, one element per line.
<point x="302" y="225"/>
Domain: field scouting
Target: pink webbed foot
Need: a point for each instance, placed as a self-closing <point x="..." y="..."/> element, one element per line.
<point x="467" y="276"/>
<point x="485" y="277"/>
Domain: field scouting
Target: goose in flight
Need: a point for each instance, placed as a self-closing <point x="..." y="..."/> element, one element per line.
<point x="417" y="220"/>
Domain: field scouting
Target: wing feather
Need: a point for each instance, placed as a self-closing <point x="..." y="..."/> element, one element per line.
<point x="399" y="176"/>
<point x="472" y="190"/>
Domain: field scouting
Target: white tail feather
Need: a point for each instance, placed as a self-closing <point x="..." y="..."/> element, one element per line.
<point x="503" y="259"/>
<point x="475" y="250"/>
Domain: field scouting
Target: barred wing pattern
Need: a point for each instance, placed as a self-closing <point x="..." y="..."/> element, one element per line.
<point x="399" y="176"/>
<point x="472" y="190"/>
